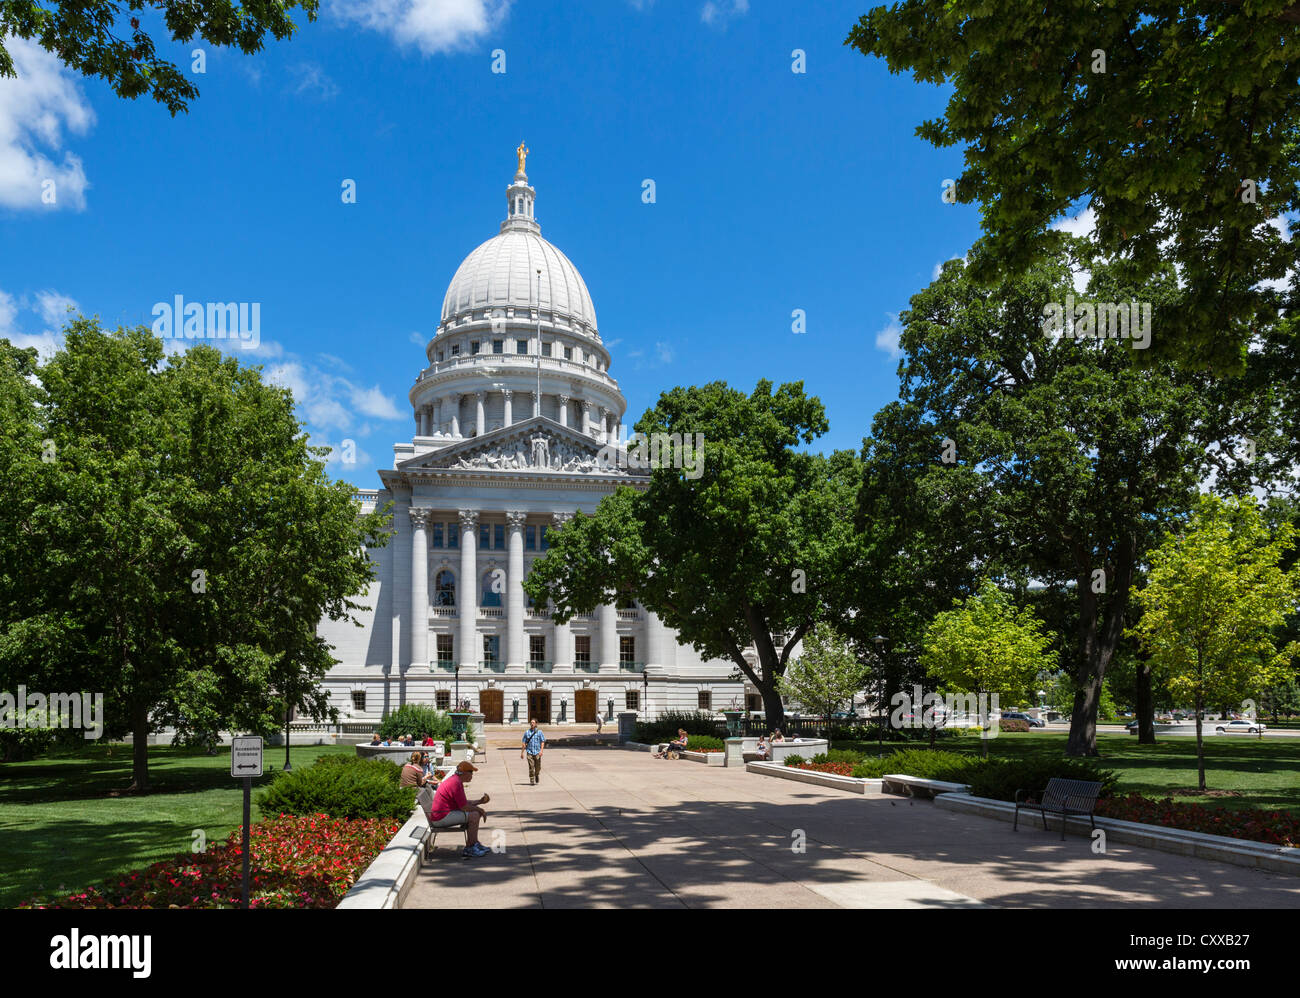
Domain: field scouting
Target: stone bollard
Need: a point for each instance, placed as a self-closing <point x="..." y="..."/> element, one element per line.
<point x="478" y="734"/>
<point x="735" y="754"/>
<point x="626" y="725"/>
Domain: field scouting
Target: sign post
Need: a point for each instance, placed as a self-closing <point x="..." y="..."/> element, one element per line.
<point x="245" y="763"/>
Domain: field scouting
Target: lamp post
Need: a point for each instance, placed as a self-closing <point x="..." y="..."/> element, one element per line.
<point x="456" y="699"/>
<point x="879" y="639"/>
<point x="645" y="687"/>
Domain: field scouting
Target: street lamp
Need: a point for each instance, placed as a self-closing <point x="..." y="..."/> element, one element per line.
<point x="879" y="639"/>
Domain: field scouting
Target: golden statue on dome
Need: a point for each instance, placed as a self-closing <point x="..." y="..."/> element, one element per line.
<point x="522" y="153"/>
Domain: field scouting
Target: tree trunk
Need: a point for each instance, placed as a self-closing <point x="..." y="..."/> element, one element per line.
<point x="1145" y="706"/>
<point x="773" y="708"/>
<point x="1200" y="747"/>
<point x="140" y="750"/>
<point x="1083" y="719"/>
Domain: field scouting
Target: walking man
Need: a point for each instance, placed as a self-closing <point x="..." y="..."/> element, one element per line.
<point x="534" y="743"/>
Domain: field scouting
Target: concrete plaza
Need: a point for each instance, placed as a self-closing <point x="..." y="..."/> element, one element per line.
<point x="610" y="827"/>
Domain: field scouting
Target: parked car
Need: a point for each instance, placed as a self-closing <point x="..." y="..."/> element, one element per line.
<point x="1034" y="722"/>
<point x="1240" y="727"/>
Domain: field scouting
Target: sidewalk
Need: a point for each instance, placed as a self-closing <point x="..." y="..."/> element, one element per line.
<point x="615" y="828"/>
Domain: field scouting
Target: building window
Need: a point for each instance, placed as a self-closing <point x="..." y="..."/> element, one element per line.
<point x="444" y="649"/>
<point x="632" y="699"/>
<point x="627" y="649"/>
<point x="498" y="535"/>
<point x="704" y="700"/>
<point x="546" y="349"/>
<point x="358" y="700"/>
<point x="473" y="347"/>
<point x="530" y="537"/>
<point x="582" y="648"/>
<point x="521" y="346"/>
<point x="437" y="535"/>
<point x="492" y="587"/>
<point x="444" y="589"/>
<point x="455" y="349"/>
<point x="568" y="353"/>
<point x="485" y="536"/>
<point x="537" y="648"/>
<point x="491" y="647"/>
<point x="439" y="355"/>
<point x="452" y="535"/>
<point x="546" y="538"/>
<point x="442" y="699"/>
<point x="498" y="346"/>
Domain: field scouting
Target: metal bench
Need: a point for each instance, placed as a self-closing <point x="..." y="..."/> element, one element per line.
<point x="1063" y="797"/>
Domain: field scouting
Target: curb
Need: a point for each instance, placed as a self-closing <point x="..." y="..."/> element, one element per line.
<point x="389" y="878"/>
<point x="783" y="772"/>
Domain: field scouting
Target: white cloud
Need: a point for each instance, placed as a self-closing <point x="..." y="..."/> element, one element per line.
<point x="374" y="403"/>
<point x="312" y="80"/>
<point x="35" y="110"/>
<point x="431" y="25"/>
<point x="1083" y="224"/>
<point x="938" y="267"/>
<point x="47" y="336"/>
<point x="888" y="337"/>
<point x="664" y="353"/>
<point x="416" y="338"/>
<point x="719" y="12"/>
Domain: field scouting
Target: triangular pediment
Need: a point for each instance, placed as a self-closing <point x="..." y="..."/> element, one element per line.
<point x="538" y="445"/>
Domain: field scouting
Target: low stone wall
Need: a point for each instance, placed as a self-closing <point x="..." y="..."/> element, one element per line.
<point x="396" y="754"/>
<point x="832" y="780"/>
<point x="388" y="879"/>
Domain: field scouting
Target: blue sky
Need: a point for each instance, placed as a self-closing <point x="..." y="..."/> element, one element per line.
<point x="775" y="191"/>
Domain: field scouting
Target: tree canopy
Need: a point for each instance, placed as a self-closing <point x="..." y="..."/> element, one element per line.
<point x="1175" y="122"/>
<point x="95" y="38"/>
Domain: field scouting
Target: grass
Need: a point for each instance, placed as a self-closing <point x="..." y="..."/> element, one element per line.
<point x="59" y="826"/>
<point x="1265" y="772"/>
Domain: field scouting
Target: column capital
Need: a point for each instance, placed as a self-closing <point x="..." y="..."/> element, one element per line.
<point x="560" y="519"/>
<point x="468" y="518"/>
<point x="508" y="392"/>
<point x="564" y="399"/>
<point x="420" y="516"/>
<point x="586" y="405"/>
<point x="515" y="519"/>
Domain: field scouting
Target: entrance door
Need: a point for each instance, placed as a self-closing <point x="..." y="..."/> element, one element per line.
<point x="539" y="706"/>
<point x="584" y="706"/>
<point x="492" y="704"/>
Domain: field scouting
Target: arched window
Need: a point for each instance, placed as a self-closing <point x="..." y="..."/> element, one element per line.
<point x="444" y="589"/>
<point x="491" y="588"/>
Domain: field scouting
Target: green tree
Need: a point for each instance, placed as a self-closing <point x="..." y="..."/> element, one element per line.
<point x="95" y="38"/>
<point x="987" y="646"/>
<point x="753" y="551"/>
<point x="1215" y="597"/>
<point x="1044" y="451"/>
<point x="827" y="675"/>
<point x="179" y="541"/>
<point x="1177" y="123"/>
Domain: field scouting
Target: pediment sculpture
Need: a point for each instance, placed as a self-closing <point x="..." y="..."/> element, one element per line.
<point x="539" y="452"/>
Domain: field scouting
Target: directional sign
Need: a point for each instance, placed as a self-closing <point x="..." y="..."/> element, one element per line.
<point x="246" y="755"/>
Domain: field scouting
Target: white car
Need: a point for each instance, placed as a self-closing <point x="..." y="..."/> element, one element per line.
<point x="1243" y="727"/>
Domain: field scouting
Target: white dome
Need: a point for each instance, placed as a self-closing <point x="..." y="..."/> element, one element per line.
<point x="503" y="272"/>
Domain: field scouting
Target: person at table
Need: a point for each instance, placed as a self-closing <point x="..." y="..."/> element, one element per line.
<point x="451" y="808"/>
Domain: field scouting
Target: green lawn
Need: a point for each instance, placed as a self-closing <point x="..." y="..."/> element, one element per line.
<point x="1265" y="771"/>
<point x="60" y="828"/>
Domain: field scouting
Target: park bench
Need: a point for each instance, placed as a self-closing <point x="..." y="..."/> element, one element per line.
<point x="1063" y="797"/>
<point x="424" y="801"/>
<point x="896" y="783"/>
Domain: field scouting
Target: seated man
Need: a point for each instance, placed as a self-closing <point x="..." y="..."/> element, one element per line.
<point x="450" y="808"/>
<point x="386" y="743"/>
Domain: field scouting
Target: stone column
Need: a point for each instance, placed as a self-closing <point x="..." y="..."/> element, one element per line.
<point x="604" y="425"/>
<point x="467" y="590"/>
<point x="419" y="587"/>
<point x="508" y="421"/>
<point x="586" y="418"/>
<point x="516" y="650"/>
<point x="437" y="415"/>
<point x="562" y="653"/>
<point x="480" y="426"/>
<point x="607" y="617"/>
<point x="455" y="415"/>
<point x="564" y="410"/>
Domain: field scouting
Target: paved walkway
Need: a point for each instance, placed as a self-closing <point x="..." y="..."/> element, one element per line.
<point x="610" y="827"/>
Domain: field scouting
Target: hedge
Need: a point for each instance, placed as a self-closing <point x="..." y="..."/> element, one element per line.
<point x="340" y="786"/>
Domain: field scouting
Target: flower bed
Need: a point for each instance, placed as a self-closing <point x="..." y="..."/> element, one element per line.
<point x="295" y="862"/>
<point x="1275" y="827"/>
<point x="838" y="768"/>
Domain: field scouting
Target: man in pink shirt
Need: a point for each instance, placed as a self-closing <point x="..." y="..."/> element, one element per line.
<point x="450" y="808"/>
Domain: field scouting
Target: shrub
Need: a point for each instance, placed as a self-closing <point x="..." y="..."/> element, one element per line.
<point x="847" y="756"/>
<point x="1012" y="724"/>
<point x="923" y="763"/>
<point x="664" y="728"/>
<point x="1001" y="778"/>
<point x="341" y="787"/>
<point x="704" y="743"/>
<point x="416" y="719"/>
<point x="794" y="760"/>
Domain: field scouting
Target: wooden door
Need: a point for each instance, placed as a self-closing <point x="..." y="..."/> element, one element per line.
<point x="539" y="706"/>
<point x="584" y="706"/>
<point x="492" y="704"/>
